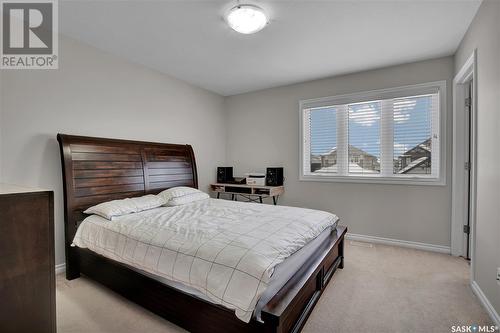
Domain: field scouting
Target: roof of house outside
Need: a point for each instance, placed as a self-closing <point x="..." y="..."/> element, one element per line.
<point x="351" y="148"/>
<point x="413" y="164"/>
<point x="353" y="168"/>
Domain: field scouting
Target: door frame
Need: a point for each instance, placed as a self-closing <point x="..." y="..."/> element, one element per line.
<point x="459" y="204"/>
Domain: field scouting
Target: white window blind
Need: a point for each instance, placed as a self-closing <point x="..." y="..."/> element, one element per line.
<point x="393" y="134"/>
<point x="364" y="138"/>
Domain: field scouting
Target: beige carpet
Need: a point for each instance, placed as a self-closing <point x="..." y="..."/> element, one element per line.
<point x="381" y="289"/>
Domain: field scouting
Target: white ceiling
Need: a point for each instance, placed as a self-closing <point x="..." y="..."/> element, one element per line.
<point x="305" y="40"/>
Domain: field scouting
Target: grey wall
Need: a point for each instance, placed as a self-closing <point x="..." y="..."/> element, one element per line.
<point x="263" y="131"/>
<point x="484" y="35"/>
<point x="97" y="94"/>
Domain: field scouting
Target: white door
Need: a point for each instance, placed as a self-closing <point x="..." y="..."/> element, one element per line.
<point x="467" y="168"/>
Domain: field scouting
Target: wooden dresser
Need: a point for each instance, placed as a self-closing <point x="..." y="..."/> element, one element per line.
<point x="27" y="272"/>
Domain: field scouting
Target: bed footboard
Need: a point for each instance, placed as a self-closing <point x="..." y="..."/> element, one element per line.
<point x="292" y="305"/>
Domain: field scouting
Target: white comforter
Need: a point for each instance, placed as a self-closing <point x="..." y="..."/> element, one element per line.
<point x="225" y="249"/>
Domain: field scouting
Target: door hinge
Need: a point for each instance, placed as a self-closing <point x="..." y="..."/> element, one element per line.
<point x="468" y="101"/>
<point x="467" y="166"/>
<point x="466" y="229"/>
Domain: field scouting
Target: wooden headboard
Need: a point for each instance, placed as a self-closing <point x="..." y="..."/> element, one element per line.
<point x="96" y="170"/>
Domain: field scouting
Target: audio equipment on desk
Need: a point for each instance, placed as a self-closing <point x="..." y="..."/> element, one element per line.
<point x="274" y="177"/>
<point x="224" y="174"/>
<point x="237" y="180"/>
<point x="255" y="178"/>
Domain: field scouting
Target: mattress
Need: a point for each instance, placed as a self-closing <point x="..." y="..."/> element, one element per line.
<point x="282" y="273"/>
<point x="230" y="253"/>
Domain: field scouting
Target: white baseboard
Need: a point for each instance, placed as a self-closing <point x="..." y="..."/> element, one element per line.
<point x="486" y="303"/>
<point x="61" y="268"/>
<point x="397" y="242"/>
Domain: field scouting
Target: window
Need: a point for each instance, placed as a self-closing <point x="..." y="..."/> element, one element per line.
<point x="389" y="136"/>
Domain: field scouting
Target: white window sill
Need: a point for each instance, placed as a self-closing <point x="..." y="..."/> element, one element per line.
<point x="374" y="180"/>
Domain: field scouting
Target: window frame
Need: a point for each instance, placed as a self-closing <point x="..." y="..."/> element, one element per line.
<point x="380" y="94"/>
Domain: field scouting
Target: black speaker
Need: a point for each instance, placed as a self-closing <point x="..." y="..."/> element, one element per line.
<point x="224" y="174"/>
<point x="274" y="176"/>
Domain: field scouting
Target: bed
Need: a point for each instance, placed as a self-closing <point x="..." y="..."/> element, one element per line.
<point x="96" y="170"/>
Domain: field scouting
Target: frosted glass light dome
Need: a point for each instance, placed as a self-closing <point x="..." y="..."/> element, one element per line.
<point x="246" y="19"/>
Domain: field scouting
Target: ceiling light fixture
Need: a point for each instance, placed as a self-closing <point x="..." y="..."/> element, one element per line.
<point x="246" y="19"/>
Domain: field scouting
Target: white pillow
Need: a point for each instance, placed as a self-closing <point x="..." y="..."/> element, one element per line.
<point x="188" y="198"/>
<point x="115" y="208"/>
<point x="176" y="192"/>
